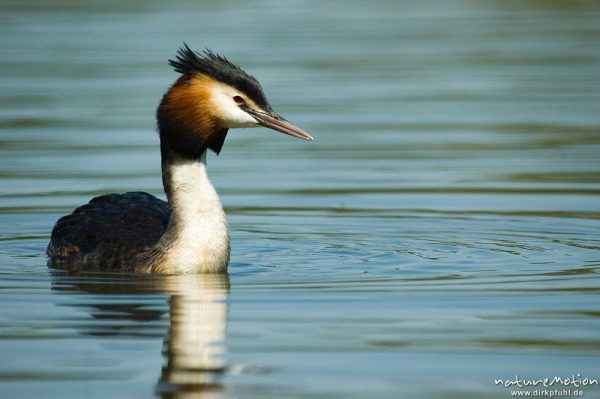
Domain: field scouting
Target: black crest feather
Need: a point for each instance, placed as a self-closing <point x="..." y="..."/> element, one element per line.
<point x="188" y="63"/>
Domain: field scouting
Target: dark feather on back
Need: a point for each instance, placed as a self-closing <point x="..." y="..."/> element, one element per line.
<point x="110" y="233"/>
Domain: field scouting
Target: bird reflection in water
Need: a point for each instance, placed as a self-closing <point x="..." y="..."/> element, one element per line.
<point x="194" y="345"/>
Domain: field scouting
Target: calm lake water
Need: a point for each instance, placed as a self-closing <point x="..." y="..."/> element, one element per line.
<point x="442" y="231"/>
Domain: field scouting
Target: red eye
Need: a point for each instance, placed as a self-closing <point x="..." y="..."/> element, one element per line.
<point x="239" y="100"/>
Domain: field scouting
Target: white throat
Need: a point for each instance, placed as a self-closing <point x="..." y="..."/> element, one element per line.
<point x="197" y="238"/>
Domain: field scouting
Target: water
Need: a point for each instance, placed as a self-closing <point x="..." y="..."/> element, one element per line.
<point x="441" y="232"/>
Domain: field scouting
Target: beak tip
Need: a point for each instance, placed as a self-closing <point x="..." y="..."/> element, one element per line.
<point x="305" y="136"/>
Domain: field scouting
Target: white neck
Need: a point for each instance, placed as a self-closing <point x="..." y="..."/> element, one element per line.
<point x="196" y="239"/>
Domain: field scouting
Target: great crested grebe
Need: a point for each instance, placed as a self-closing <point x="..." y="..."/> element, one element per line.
<point x="137" y="232"/>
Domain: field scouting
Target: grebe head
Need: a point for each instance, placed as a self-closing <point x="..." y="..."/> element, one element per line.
<point x="211" y="96"/>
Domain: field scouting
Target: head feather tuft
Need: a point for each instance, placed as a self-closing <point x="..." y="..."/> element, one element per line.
<point x="189" y="63"/>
